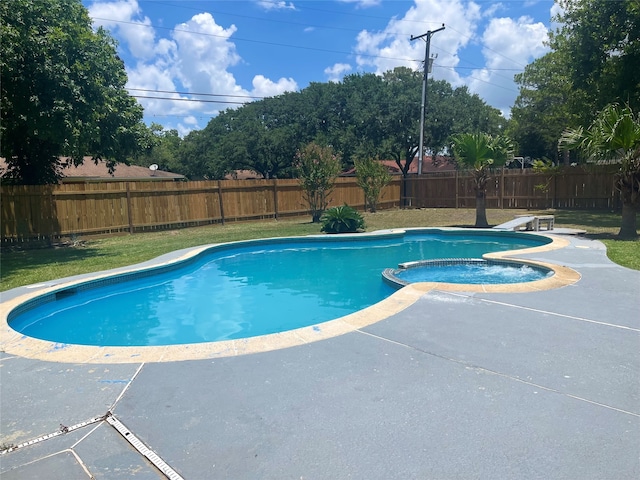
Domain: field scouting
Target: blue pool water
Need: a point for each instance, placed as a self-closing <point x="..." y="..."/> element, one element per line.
<point x="245" y="289"/>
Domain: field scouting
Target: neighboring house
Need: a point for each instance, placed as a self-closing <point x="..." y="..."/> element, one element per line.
<point x="444" y="164"/>
<point x="90" y="171"/>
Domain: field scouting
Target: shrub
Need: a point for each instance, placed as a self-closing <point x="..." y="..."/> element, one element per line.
<point x="372" y="176"/>
<point x="344" y="219"/>
<point x="317" y="168"/>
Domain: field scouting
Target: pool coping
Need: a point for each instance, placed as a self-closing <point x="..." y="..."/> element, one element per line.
<point x="15" y="343"/>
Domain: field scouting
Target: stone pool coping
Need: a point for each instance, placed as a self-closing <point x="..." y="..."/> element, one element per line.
<point x="15" y="343"/>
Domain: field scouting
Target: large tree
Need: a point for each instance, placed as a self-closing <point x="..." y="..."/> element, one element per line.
<point x="600" y="41"/>
<point x="543" y="109"/>
<point x="365" y="115"/>
<point x="163" y="149"/>
<point x="593" y="62"/>
<point x="62" y="91"/>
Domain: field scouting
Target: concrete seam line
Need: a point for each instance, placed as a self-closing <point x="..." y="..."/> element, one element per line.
<point x="63" y="430"/>
<point x="546" y="312"/>
<point x="126" y="387"/>
<point x="504" y="375"/>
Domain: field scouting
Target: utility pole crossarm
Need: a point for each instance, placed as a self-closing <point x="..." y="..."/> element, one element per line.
<point x="424" y="91"/>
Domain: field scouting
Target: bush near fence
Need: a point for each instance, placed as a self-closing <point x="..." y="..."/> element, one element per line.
<point x="55" y="211"/>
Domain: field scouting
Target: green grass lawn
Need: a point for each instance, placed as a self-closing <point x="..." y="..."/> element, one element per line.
<point x="27" y="266"/>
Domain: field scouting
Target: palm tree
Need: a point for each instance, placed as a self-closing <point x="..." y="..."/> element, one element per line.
<point x="614" y="136"/>
<point x="479" y="152"/>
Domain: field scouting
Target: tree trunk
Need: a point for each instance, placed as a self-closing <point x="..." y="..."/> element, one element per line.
<point x="481" y="209"/>
<point x="628" y="226"/>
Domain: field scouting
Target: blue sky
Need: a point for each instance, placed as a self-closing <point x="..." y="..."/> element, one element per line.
<point x="232" y="51"/>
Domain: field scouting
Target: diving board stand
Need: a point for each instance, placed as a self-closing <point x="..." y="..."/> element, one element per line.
<point x="528" y="222"/>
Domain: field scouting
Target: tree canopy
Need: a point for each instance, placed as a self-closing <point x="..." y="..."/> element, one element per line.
<point x="364" y="115"/>
<point x="593" y="62"/>
<point x="62" y="91"/>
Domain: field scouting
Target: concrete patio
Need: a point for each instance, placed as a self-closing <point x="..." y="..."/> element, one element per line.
<point x="536" y="385"/>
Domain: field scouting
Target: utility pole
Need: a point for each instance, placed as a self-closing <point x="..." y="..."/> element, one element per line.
<point x="424" y="91"/>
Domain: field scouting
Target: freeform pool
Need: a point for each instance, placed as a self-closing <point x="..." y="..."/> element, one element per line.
<point x="244" y="289"/>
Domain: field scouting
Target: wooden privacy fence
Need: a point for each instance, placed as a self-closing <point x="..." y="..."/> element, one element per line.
<point x="50" y="211"/>
<point x="573" y="187"/>
<point x="44" y="212"/>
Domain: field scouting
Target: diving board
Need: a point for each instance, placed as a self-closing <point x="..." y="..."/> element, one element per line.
<point x="529" y="222"/>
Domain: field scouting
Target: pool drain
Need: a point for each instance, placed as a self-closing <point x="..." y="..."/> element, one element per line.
<point x="142" y="448"/>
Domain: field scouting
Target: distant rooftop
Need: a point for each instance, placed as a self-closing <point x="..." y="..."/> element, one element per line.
<point x="91" y="171"/>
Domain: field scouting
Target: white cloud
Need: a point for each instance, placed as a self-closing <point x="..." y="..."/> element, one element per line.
<point x="204" y="53"/>
<point x="276" y="5"/>
<point x="122" y="17"/>
<point x="263" y="87"/>
<point x="363" y="3"/>
<point x="553" y="12"/>
<point x="392" y="47"/>
<point x="337" y="71"/>
<point x="197" y="57"/>
<point x="507" y="44"/>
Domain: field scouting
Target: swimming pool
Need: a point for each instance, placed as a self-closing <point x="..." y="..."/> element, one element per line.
<point x="245" y="289"/>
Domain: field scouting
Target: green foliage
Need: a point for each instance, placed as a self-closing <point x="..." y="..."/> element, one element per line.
<point x="317" y="168"/>
<point x="372" y="177"/>
<point x="613" y="136"/>
<point x="594" y="58"/>
<point x="547" y="167"/>
<point x="162" y="148"/>
<point x="62" y="90"/>
<point x="599" y="41"/>
<point x="343" y="219"/>
<point x="543" y="109"/>
<point x="480" y="151"/>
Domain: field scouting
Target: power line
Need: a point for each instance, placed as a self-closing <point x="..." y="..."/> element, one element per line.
<point x="335" y="12"/>
<point x="263" y="42"/>
<point x="188" y="100"/>
<point x="199" y="94"/>
<point x="481" y="80"/>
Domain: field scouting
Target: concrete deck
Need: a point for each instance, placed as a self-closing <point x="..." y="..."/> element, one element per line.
<point x="459" y="385"/>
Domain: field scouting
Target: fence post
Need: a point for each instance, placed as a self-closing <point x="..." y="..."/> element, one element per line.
<point x="457" y="195"/>
<point x="129" y="209"/>
<point x="54" y="225"/>
<point x="502" y="189"/>
<point x="275" y="197"/>
<point x="220" y="200"/>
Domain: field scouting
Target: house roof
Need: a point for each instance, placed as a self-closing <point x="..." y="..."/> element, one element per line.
<point x="443" y="164"/>
<point x="90" y="171"/>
